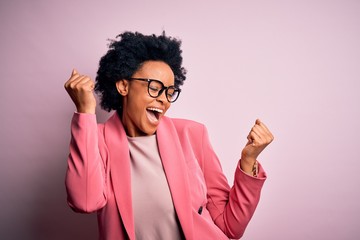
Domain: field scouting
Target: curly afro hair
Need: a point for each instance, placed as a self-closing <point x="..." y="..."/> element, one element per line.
<point x="126" y="55"/>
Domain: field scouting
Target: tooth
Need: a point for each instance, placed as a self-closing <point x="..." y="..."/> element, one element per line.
<point x="156" y="110"/>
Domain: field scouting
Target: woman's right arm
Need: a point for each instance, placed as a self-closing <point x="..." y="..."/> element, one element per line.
<point x="86" y="174"/>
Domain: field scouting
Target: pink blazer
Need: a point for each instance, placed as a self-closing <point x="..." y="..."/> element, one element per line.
<point x="98" y="179"/>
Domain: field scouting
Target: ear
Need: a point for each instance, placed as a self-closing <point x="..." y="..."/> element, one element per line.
<point x="123" y="87"/>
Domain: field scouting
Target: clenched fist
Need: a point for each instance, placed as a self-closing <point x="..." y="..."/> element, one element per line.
<point x="258" y="139"/>
<point x="80" y="88"/>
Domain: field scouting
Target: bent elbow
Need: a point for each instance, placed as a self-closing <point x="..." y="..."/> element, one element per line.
<point x="235" y="234"/>
<point x="85" y="206"/>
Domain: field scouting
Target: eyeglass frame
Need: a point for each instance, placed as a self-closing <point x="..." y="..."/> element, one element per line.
<point x="149" y="80"/>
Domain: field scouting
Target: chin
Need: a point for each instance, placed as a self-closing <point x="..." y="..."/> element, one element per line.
<point x="148" y="131"/>
<point x="151" y="132"/>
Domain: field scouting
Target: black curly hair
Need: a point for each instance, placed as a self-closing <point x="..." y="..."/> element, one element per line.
<point x="126" y="55"/>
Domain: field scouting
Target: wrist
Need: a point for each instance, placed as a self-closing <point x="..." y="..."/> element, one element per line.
<point x="249" y="166"/>
<point x="85" y="110"/>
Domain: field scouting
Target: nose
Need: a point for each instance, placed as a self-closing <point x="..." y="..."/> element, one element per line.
<point x="162" y="97"/>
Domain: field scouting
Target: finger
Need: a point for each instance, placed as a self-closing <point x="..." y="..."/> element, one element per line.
<point x="83" y="84"/>
<point x="71" y="83"/>
<point x="265" y="137"/>
<point x="88" y="85"/>
<point x="73" y="79"/>
<point x="253" y="138"/>
<point x="261" y="124"/>
<point x="74" y="72"/>
<point x="259" y="134"/>
<point x="258" y="131"/>
<point x="78" y="82"/>
<point x="264" y="128"/>
<point x="267" y="132"/>
<point x="249" y="140"/>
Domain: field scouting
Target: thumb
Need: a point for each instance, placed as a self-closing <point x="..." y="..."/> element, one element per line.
<point x="250" y="141"/>
<point x="74" y="72"/>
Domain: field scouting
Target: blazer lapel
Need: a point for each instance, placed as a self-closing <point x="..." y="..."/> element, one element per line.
<point x="176" y="173"/>
<point x="120" y="171"/>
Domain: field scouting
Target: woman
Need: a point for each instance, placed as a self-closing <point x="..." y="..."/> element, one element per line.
<point x="149" y="176"/>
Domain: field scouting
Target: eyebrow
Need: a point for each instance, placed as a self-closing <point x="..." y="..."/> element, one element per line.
<point x="151" y="79"/>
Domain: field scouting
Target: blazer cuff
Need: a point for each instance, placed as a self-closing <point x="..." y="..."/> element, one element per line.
<point x="261" y="172"/>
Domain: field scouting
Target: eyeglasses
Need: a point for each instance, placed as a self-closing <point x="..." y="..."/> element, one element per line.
<point x="156" y="88"/>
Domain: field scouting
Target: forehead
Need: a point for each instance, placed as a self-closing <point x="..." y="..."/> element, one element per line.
<point x="156" y="70"/>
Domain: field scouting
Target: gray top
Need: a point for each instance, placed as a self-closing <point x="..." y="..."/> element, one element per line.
<point x="154" y="212"/>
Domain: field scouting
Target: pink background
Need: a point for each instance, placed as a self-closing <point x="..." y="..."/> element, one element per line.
<point x="293" y="64"/>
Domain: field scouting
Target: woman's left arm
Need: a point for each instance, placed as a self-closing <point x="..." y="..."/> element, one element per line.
<point x="232" y="208"/>
<point x="259" y="138"/>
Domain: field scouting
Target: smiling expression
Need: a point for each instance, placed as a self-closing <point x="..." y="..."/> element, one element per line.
<point x="142" y="113"/>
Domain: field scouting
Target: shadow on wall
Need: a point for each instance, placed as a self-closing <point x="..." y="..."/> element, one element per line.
<point x="35" y="201"/>
<point x="51" y="217"/>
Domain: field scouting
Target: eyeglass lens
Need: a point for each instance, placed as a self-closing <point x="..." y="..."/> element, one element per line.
<point x="156" y="88"/>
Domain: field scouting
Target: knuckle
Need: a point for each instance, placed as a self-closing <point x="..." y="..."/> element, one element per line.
<point x="72" y="85"/>
<point x="271" y="138"/>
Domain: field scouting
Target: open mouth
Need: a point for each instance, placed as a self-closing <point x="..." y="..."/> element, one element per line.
<point x="154" y="114"/>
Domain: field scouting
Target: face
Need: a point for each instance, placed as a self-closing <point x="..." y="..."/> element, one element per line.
<point x="141" y="112"/>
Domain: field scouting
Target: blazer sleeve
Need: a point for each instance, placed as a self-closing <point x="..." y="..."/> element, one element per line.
<point x="230" y="208"/>
<point x="86" y="173"/>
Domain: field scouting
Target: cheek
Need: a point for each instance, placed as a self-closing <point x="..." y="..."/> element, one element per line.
<point x="167" y="106"/>
<point x="139" y="101"/>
